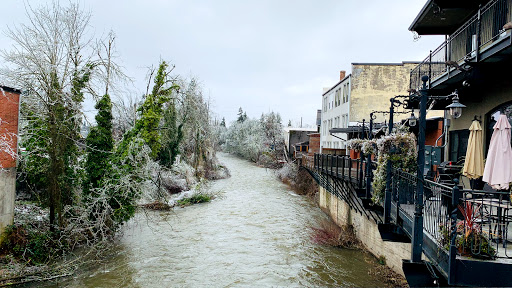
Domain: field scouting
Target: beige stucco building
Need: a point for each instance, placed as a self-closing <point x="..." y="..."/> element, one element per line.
<point x="368" y="88"/>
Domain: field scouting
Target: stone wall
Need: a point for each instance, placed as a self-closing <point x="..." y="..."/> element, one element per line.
<point x="7" y="197"/>
<point x="366" y="230"/>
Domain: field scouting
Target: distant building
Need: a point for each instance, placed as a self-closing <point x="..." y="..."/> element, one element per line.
<point x="9" y="114"/>
<point x="354" y="97"/>
<point x="297" y="140"/>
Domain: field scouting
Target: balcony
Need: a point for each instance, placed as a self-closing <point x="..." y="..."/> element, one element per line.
<point x="480" y="39"/>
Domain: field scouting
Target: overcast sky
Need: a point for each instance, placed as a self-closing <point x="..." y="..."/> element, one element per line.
<point x="261" y="55"/>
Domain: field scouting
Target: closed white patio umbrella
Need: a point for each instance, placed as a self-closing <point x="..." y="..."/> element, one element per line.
<point x="498" y="166"/>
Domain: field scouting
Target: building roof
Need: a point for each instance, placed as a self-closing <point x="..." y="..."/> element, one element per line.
<point x="308" y="129"/>
<point x="338" y="83"/>
<point x="9" y="89"/>
<point x="350" y="129"/>
<point x="443" y="17"/>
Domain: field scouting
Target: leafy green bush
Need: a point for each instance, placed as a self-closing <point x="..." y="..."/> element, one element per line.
<point x="194" y="199"/>
<point x="34" y="247"/>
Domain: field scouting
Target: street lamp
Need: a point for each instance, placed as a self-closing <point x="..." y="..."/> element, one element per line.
<point x="369" y="172"/>
<point x="455" y="107"/>
<point x="455" y="111"/>
<point x="412" y="120"/>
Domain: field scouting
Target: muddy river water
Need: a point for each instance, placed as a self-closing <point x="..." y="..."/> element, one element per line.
<point x="256" y="233"/>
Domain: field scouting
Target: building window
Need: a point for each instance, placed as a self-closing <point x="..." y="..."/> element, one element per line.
<point x="337" y="97"/>
<point x="458" y="143"/>
<point x="345" y="93"/>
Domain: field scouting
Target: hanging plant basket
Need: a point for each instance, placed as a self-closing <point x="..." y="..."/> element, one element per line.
<point x="355" y="144"/>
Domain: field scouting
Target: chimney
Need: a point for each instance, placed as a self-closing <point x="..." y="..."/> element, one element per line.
<point x="342" y="74"/>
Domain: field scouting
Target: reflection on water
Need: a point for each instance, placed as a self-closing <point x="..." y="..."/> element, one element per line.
<point x="256" y="234"/>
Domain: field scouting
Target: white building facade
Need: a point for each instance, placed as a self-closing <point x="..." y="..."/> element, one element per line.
<point x="335" y="113"/>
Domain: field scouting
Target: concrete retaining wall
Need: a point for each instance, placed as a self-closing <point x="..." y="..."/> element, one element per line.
<point x="7" y="195"/>
<point x="366" y="230"/>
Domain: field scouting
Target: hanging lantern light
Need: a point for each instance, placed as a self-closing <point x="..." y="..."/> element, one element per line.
<point x="412" y="120"/>
<point x="455" y="107"/>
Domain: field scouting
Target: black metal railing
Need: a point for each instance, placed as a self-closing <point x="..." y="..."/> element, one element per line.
<point x="485" y="219"/>
<point x="478" y="33"/>
<point x="342" y="167"/>
<point x="436" y="201"/>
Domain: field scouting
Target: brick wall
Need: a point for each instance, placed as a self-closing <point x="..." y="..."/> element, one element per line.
<point x="9" y="107"/>
<point x="314" y="143"/>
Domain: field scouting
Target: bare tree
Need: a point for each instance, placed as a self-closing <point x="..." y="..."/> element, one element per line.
<point x="51" y="61"/>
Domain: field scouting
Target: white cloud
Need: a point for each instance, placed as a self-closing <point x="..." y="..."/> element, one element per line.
<point x="262" y="55"/>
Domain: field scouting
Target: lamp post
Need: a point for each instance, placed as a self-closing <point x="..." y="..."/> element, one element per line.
<point x="455" y="112"/>
<point x="395" y="102"/>
<point x="369" y="172"/>
<point x="417" y="226"/>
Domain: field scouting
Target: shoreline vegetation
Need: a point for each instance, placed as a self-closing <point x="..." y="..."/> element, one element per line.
<point x="80" y="180"/>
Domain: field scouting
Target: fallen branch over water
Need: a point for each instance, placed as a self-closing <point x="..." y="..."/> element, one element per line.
<point x="157" y="205"/>
<point x="16" y="273"/>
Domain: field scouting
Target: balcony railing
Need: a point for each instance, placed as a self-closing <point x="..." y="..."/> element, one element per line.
<point x="460" y="227"/>
<point x="342" y="167"/>
<point x="476" y="35"/>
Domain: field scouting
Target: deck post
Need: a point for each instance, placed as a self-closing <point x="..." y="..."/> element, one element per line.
<point x="417" y="231"/>
<point x="337" y="170"/>
<point x="453" y="234"/>
<point x="387" y="193"/>
<point x="360" y="182"/>
<point x="369" y="162"/>
<point x="478" y="33"/>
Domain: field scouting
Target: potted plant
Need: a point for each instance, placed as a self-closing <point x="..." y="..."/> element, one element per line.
<point x="471" y="241"/>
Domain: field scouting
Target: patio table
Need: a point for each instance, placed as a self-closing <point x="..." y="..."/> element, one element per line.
<point x="501" y="217"/>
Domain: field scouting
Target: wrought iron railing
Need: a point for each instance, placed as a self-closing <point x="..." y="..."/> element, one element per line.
<point x="436" y="200"/>
<point x="483" y="217"/>
<point x="486" y="218"/>
<point x="342" y="167"/>
<point x="479" y="220"/>
<point x="478" y="33"/>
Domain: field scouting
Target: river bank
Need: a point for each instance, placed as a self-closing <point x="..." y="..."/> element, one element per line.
<point x="254" y="234"/>
<point x="332" y="232"/>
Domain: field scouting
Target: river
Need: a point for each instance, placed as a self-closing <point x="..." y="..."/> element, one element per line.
<point x="256" y="233"/>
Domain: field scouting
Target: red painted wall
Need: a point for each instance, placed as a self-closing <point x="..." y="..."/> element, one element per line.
<point x="431" y="135"/>
<point x="9" y="107"/>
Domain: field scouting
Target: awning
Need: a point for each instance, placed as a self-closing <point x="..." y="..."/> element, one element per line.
<point x="443" y="17"/>
<point x="347" y="130"/>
